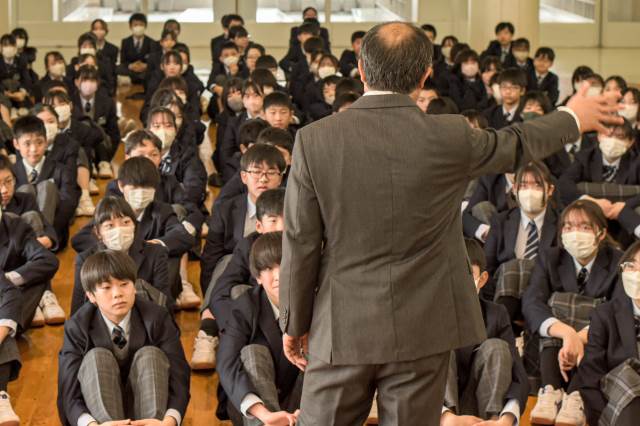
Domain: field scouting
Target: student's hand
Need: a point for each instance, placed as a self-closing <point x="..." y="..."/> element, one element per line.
<point x="114" y="423"/>
<point x="295" y="349"/>
<point x="506" y="420"/>
<point x="597" y="112"/>
<point x="570" y="354"/>
<point x="45" y="241"/>
<point x="604" y="204"/>
<point x="217" y="89"/>
<point x="280" y="418"/>
<point x="167" y="421"/>
<point x="615" y="210"/>
<point x="450" y="419"/>
<point x="584" y="335"/>
<point x="18" y="96"/>
<point x="155" y="241"/>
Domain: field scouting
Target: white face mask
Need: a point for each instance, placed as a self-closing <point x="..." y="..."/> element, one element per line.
<point x="167" y="136"/>
<point x="330" y="99"/>
<point x="119" y="238"/>
<point x="100" y="34"/>
<point x="630" y="112"/>
<point x="469" y="70"/>
<point x="9" y="52"/>
<point x="495" y="90"/>
<point x="521" y="55"/>
<point x="579" y="244"/>
<point x="57" y="69"/>
<point x="20" y="43"/>
<point x="446" y="51"/>
<point x="184" y="68"/>
<point x="594" y="91"/>
<point x="138" y="30"/>
<point x="52" y="131"/>
<point x="88" y="88"/>
<point x="139" y="198"/>
<point x="88" y="51"/>
<point x="531" y="200"/>
<point x="326" y="71"/>
<point x="64" y="112"/>
<point x="631" y="284"/>
<point x="612" y="148"/>
<point x="230" y="60"/>
<point x="280" y="75"/>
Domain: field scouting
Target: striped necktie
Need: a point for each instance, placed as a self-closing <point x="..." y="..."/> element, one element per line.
<point x="609" y="173"/>
<point x="533" y="241"/>
<point x="33" y="176"/>
<point x="582" y="279"/>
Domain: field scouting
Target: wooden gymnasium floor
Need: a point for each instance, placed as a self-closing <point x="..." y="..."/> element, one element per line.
<point x="34" y="394"/>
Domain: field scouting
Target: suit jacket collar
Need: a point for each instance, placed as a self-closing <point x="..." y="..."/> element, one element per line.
<point x="626" y="325"/>
<point x="383" y="101"/>
<point x="549" y="228"/>
<point x="239" y="213"/>
<point x="4" y="242"/>
<point x="99" y="333"/>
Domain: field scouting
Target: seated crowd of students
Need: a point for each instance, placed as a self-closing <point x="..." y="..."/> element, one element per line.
<point x="560" y="299"/>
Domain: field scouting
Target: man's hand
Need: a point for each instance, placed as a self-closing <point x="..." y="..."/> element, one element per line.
<point x="113" y="423"/>
<point x="295" y="349"/>
<point x="597" y="112"/>
<point x="604" y="204"/>
<point x="280" y="418"/>
<point x="167" y="421"/>
<point x="450" y="419"/>
<point x="155" y="241"/>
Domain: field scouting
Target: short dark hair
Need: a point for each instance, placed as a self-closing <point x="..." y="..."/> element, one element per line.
<point x="156" y="110"/>
<point x="168" y="33"/>
<point x="28" y="124"/>
<point x="343" y="99"/>
<point x="171" y="54"/>
<point x="308" y="8"/>
<point x="276" y="137"/>
<point x="356" y="35"/>
<point x="110" y="207"/>
<point x="248" y="85"/>
<point x="488" y="61"/>
<point x="515" y="76"/>
<point x="270" y="203"/>
<point x="398" y="68"/>
<point x="101" y="22"/>
<point x="263" y="77"/>
<point x="620" y="81"/>
<point x="309" y="28"/>
<point x="105" y="265"/>
<point x="626" y="129"/>
<point x="55" y="54"/>
<point x="540" y="97"/>
<point x="249" y="131"/>
<point x="171" y="22"/>
<point x="505" y="26"/>
<point x="226" y="19"/>
<point x="38" y="108"/>
<point x="430" y="28"/>
<point x="5" y="163"/>
<point x="262" y="153"/>
<point x="541" y="175"/>
<point x="183" y="48"/>
<point x="476" y="116"/>
<point x="476" y="254"/>
<point x="7" y="39"/>
<point x="87" y="37"/>
<point x="266" y="62"/>
<point x="140" y="172"/>
<point x="442" y="105"/>
<point x="596" y="77"/>
<point x="141" y="17"/>
<point x="313" y="44"/>
<point x="266" y="252"/>
<point x="522" y="43"/>
<point x="258" y="47"/>
<point x="349" y="85"/>
<point x="277" y="99"/>
<point x="88" y="72"/>
<point x="174" y="83"/>
<point x="238" y="31"/>
<point x="591" y="210"/>
<point x="228" y="45"/>
<point x="20" y="32"/>
<point x="580" y="73"/>
<point x="545" y="52"/>
<point x="55" y="94"/>
<point x="137" y="138"/>
<point x="467" y="55"/>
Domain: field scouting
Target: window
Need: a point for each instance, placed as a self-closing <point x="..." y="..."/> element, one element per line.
<point x="568" y="11"/>
<point x="341" y="10"/>
<point x="120" y="10"/>
<point x="623" y="10"/>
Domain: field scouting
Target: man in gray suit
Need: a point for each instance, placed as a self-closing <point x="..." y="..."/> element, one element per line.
<point x="375" y="285"/>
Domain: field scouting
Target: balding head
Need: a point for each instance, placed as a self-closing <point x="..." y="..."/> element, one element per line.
<point x="395" y="57"/>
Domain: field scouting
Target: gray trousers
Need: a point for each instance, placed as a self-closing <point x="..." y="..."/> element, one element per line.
<point x="47" y="197"/>
<point x="409" y="393"/>
<point x="31" y="296"/>
<point x="217" y="272"/>
<point x="489" y="381"/>
<point x="146" y="390"/>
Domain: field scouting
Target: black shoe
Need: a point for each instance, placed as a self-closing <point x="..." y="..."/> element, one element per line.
<point x="215" y="180"/>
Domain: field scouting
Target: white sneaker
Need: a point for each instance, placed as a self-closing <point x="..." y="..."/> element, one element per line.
<point x="547" y="406"/>
<point x="188" y="299"/>
<point x="104" y="170"/>
<point x="572" y="411"/>
<point x="8" y="417"/>
<point x="53" y="312"/>
<point x="93" y="188"/>
<point x="204" y="352"/>
<point x="38" y="318"/>
<point x="85" y="206"/>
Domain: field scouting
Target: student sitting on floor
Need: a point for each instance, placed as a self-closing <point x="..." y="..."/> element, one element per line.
<point x="15" y="79"/>
<point x="135" y="50"/>
<point x="263" y="387"/>
<point x="115" y="227"/>
<point x="486" y="381"/>
<point x="513" y="83"/>
<point x="121" y="357"/>
<point x="566" y="283"/>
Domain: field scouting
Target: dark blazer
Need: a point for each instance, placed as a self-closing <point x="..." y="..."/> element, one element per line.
<point x="348" y="62"/>
<point x="226" y="229"/>
<point x="468" y="94"/>
<point x="151" y="260"/>
<point x="219" y="74"/>
<point x="252" y="321"/>
<point x="394" y="247"/>
<point x="494" y="49"/>
<point x="495" y="117"/>
<point x="216" y="47"/>
<point x="230" y="145"/>
<point x="294" y="56"/>
<point x="17" y="71"/>
<point x="237" y="272"/>
<point x="158" y="222"/>
<point x="560" y="161"/>
<point x="151" y="325"/>
<point x="87" y="133"/>
<point x="555" y="271"/>
<point x="230" y="189"/>
<point x="42" y="86"/>
<point x="129" y="54"/>
<point x="23" y="202"/>
<point x="108" y="82"/>
<point x="587" y="167"/>
<point x="324" y="35"/>
<point x="442" y="73"/>
<point x="612" y="340"/>
<point x="104" y="114"/>
<point x="548" y="86"/>
<point x="186" y="166"/>
<point x="65" y="150"/>
<point x="110" y="52"/>
<point x="628" y="217"/>
<point x="498" y="326"/>
<point x="490" y="188"/>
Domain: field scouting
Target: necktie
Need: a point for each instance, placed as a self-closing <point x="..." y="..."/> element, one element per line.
<point x="138" y="45"/>
<point x="540" y="80"/>
<point x="165" y="165"/>
<point x="608" y="173"/>
<point x="33" y="176"/>
<point x="87" y="107"/>
<point x="582" y="279"/>
<point x="117" y="337"/>
<point x="503" y="55"/>
<point x="533" y="240"/>
<point x="572" y="152"/>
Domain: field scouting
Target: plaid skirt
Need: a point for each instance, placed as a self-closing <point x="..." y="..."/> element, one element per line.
<point x="512" y="278"/>
<point x="610" y="191"/>
<point x="620" y="386"/>
<point x="573" y="309"/>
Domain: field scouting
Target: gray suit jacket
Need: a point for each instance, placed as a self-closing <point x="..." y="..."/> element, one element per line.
<point x="374" y="263"/>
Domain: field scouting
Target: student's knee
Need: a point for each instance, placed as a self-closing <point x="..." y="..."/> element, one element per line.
<point x="33" y="219"/>
<point x="180" y="211"/>
<point x="150" y="356"/>
<point x="27" y="188"/>
<point x="484" y="211"/>
<point x="98" y="356"/>
<point x="494" y="349"/>
<point x="256" y="355"/>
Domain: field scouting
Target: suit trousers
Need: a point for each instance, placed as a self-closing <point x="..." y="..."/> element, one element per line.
<point x="489" y="381"/>
<point x="47" y="197"/>
<point x="146" y="390"/>
<point x="409" y="392"/>
<point x="31" y="296"/>
<point x="217" y="273"/>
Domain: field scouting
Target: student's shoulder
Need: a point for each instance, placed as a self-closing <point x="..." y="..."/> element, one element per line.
<point x="151" y="313"/>
<point x="26" y="201"/>
<point x="248" y="304"/>
<point x="79" y="322"/>
<point x="153" y="251"/>
<point x="496" y="311"/>
<point x="504" y="216"/>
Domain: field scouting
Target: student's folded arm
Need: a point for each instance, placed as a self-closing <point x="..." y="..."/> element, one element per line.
<point x="535" y="297"/>
<point x="175" y="237"/>
<point x="235" y="273"/>
<point x="629" y="217"/>
<point x="567" y="183"/>
<point x="41" y="264"/>
<point x="301" y="246"/>
<point x="161" y="271"/>
<point x="213" y="249"/>
<point x="71" y="404"/>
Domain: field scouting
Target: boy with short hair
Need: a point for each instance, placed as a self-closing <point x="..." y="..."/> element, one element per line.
<point x="513" y="84"/>
<point x="486" y="381"/>
<point x="263" y="387"/>
<point x="135" y="50"/>
<point x="278" y="111"/>
<point x="15" y="79"/>
<point x="296" y="54"/>
<point x="540" y="76"/>
<point x="349" y="58"/>
<point x="120" y="342"/>
<point x="501" y="46"/>
<point x="227" y="67"/>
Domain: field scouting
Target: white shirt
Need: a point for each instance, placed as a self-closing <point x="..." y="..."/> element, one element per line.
<point x="37" y="167"/>
<point x="510" y="113"/>
<point x="577" y="144"/>
<point x="523" y="232"/>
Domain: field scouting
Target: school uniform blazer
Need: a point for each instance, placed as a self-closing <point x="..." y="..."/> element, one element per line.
<point x="230" y="145"/>
<point x="216" y="47"/>
<point x="555" y="271"/>
<point x="65" y="150"/>
<point x="87" y="134"/>
<point x="252" y="322"/>
<point x="18" y="71"/>
<point x="548" y="86"/>
<point x="348" y="61"/>
<point x="498" y="326"/>
<point x="324" y="35"/>
<point x="187" y="167"/>
<point x="42" y="86"/>
<point x="151" y="260"/>
<point x="442" y="73"/>
<point x="158" y="222"/>
<point x="104" y="114"/>
<point x="494" y="49"/>
<point x="559" y="162"/>
<point x="468" y="94"/>
<point x="230" y="189"/>
<point x="236" y="272"/>
<point x="318" y="110"/>
<point x="22" y="253"/>
<point x="300" y="76"/>
<point x="151" y="325"/>
<point x="491" y="188"/>
<point x="23" y="202"/>
<point x="220" y="76"/>
<point x="587" y="167"/>
<point x="496" y="119"/>
<point x="226" y="229"/>
<point x="129" y="54"/>
<point x="612" y="340"/>
<point x="628" y="217"/>
<point x="110" y="52"/>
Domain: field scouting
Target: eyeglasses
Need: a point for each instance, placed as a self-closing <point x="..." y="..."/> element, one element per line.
<point x="7" y="183"/>
<point x="630" y="266"/>
<point x="508" y="87"/>
<point x="269" y="174"/>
